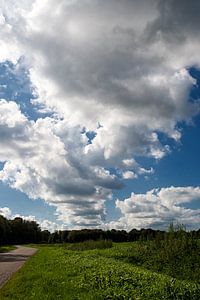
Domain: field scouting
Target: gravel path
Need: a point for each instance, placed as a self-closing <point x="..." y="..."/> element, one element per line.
<point x="11" y="261"/>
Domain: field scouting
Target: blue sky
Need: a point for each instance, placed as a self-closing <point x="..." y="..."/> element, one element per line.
<point x="179" y="168"/>
<point x="99" y="125"/>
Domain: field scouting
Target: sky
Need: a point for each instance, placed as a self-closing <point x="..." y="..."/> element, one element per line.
<point x="100" y="113"/>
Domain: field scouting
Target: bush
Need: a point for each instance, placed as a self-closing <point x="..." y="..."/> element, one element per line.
<point x="90" y="245"/>
<point x="176" y="255"/>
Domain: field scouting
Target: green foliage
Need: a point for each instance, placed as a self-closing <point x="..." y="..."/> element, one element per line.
<point x="19" y="231"/>
<point x="57" y="273"/>
<point x="124" y="284"/>
<point x="90" y="245"/>
<point x="176" y="255"/>
<point x="6" y="248"/>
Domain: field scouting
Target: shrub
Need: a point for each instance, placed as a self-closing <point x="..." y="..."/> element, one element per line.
<point x="90" y="245"/>
<point x="176" y="255"/>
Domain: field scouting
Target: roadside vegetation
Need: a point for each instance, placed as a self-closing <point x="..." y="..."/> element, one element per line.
<point x="134" y="270"/>
<point x="6" y="248"/>
<point x="177" y="254"/>
<point x="142" y="265"/>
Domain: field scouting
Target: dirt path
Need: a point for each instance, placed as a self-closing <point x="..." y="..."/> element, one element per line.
<point x="11" y="261"/>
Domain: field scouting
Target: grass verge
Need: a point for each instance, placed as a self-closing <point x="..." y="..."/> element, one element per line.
<point x="56" y="273"/>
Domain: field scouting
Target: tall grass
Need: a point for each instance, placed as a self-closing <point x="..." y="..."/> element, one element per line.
<point x="177" y="255"/>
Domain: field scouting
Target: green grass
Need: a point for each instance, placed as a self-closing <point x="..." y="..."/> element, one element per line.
<point x="56" y="273"/>
<point x="7" y="248"/>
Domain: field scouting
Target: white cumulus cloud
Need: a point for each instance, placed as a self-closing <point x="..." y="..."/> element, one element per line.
<point x="158" y="208"/>
<point x="5" y="212"/>
<point x="115" y="68"/>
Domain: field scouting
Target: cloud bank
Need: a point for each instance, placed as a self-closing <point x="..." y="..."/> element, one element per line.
<point x="158" y="208"/>
<point x="116" y="69"/>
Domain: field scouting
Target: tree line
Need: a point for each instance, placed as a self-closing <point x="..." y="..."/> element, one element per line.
<point x="20" y="231"/>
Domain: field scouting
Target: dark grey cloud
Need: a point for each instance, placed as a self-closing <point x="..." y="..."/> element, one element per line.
<point x="75" y="188"/>
<point x="180" y="16"/>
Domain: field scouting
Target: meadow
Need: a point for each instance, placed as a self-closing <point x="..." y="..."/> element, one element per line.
<point x="112" y="271"/>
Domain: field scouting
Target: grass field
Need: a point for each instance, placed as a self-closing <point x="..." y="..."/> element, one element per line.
<point x="58" y="273"/>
